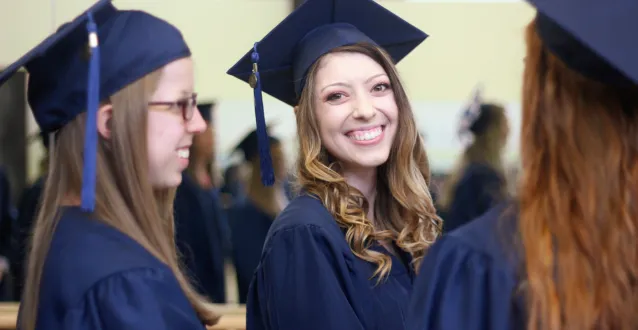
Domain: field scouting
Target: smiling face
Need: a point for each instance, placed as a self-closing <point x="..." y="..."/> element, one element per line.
<point x="355" y="108"/>
<point x="169" y="134"/>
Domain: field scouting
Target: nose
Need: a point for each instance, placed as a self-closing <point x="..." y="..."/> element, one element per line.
<point x="196" y="124"/>
<point x="363" y="108"/>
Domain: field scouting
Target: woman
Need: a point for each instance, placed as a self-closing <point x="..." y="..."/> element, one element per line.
<point x="342" y="255"/>
<point x="251" y="218"/>
<point x="478" y="183"/>
<point x="103" y="253"/>
<point x="564" y="257"/>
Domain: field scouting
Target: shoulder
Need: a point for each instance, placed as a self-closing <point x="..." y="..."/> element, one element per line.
<point x="491" y="236"/>
<point x="488" y="240"/>
<point x="305" y="210"/>
<point x="305" y="218"/>
<point x="474" y="267"/>
<point x="480" y="172"/>
<point x="84" y="251"/>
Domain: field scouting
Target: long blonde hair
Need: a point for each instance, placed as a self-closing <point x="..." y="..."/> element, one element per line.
<point x="403" y="209"/>
<point x="578" y="215"/>
<point x="486" y="149"/>
<point x="125" y="199"/>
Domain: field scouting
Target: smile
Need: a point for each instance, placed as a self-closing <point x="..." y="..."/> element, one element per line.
<point x="183" y="153"/>
<point x="366" y="135"/>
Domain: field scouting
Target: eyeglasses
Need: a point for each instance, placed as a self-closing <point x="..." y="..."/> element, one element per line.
<point x="186" y="106"/>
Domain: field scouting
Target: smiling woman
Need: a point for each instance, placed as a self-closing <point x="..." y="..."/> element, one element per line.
<point x="343" y="254"/>
<point x="103" y="254"/>
<point x="355" y="108"/>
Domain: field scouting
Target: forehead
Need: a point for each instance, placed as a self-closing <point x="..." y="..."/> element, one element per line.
<point x="177" y="75"/>
<point x="347" y="66"/>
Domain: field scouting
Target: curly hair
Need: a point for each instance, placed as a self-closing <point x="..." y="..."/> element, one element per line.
<point x="404" y="210"/>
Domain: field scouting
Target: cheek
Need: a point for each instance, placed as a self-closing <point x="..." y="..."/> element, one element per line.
<point x="388" y="107"/>
<point x="164" y="135"/>
<point x="330" y="123"/>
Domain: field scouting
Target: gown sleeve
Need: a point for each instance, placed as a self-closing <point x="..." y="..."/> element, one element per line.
<point x="461" y="288"/>
<point x="136" y="299"/>
<point x="301" y="283"/>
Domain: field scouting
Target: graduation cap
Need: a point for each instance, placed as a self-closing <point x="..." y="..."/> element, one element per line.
<point x="593" y="37"/>
<point x="278" y="64"/>
<point x="472" y="116"/>
<point x="249" y="145"/>
<point x="206" y="110"/>
<point x="85" y="62"/>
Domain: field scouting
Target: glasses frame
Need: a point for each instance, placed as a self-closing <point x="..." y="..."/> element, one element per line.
<point x="187" y="105"/>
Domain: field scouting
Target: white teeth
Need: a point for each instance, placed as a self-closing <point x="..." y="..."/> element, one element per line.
<point x="367" y="135"/>
<point x="183" y="153"/>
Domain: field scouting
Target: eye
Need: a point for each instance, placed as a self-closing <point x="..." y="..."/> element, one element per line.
<point x="334" y="97"/>
<point x="382" y="87"/>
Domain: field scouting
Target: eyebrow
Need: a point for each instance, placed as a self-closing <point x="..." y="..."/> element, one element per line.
<point x="347" y="85"/>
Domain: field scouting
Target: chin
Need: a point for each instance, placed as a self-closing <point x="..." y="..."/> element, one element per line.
<point x="168" y="182"/>
<point x="370" y="161"/>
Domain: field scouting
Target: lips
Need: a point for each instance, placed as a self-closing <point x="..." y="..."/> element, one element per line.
<point x="365" y="134"/>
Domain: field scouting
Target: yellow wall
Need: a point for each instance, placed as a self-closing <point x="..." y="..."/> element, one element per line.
<point x="470" y="42"/>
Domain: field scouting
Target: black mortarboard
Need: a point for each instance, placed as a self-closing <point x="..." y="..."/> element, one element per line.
<point x="594" y="37"/>
<point x="472" y="114"/>
<point x="88" y="60"/>
<point x="279" y="62"/>
<point x="206" y="110"/>
<point x="249" y="145"/>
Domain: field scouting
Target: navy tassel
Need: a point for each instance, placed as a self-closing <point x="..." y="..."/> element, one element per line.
<point x="265" y="161"/>
<point x="89" y="175"/>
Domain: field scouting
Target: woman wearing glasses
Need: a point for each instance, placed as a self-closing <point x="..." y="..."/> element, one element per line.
<point x="103" y="253"/>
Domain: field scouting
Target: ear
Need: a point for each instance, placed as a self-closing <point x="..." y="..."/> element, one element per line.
<point x="104" y="115"/>
<point x="296" y="109"/>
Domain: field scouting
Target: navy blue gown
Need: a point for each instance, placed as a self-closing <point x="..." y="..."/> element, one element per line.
<point x="309" y="278"/>
<point x="249" y="227"/>
<point x="27" y="213"/>
<point x="200" y="237"/>
<point x="96" y="278"/>
<point x="7" y="215"/>
<point x="7" y="219"/>
<point x="470" y="280"/>
<point x="478" y="190"/>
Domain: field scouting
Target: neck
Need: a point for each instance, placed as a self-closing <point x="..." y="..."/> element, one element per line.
<point x="271" y="200"/>
<point x="365" y="180"/>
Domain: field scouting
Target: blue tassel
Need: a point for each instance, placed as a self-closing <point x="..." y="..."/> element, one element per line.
<point x="265" y="161"/>
<point x="89" y="175"/>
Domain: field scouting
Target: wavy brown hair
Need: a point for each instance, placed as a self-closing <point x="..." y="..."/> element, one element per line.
<point x="403" y="209"/>
<point x="124" y="198"/>
<point x="578" y="217"/>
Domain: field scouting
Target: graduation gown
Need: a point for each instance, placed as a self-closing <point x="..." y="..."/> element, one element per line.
<point x="308" y="278"/>
<point x="7" y="215"/>
<point x="97" y="278"/>
<point x="468" y="279"/>
<point x="477" y="191"/>
<point x="200" y="238"/>
<point x="7" y="219"/>
<point x="27" y="212"/>
<point x="249" y="227"/>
